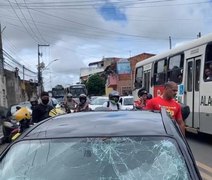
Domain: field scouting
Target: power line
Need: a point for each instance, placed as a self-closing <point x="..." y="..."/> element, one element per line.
<point x="22" y="22"/>
<point x="34" y="22"/>
<point x="19" y="64"/>
<point x="27" y="21"/>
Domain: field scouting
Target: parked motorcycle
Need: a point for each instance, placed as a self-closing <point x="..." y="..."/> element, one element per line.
<point x="13" y="126"/>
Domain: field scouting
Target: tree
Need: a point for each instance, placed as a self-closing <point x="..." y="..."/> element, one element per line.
<point x="95" y="85"/>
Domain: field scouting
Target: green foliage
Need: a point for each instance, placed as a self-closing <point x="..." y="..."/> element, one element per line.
<point x="95" y="85"/>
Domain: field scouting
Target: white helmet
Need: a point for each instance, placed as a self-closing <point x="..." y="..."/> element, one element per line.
<point x="69" y="95"/>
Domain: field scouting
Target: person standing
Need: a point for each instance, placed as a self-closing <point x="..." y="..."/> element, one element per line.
<point x="167" y="100"/>
<point x="143" y="99"/>
<point x="41" y="111"/>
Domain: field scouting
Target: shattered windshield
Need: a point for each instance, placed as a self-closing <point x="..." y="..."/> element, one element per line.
<point x="117" y="158"/>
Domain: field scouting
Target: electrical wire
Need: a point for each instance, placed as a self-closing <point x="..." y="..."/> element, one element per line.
<point x="22" y="22"/>
<point x="34" y="22"/>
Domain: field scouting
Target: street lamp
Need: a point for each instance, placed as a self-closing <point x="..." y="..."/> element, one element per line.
<point x="44" y="67"/>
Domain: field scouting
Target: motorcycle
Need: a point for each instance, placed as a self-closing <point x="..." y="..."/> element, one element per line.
<point x="13" y="126"/>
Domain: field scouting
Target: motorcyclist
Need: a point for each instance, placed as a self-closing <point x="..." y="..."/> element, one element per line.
<point x="41" y="111"/>
<point x="16" y="124"/>
<point x="33" y="102"/>
<point x="113" y="103"/>
<point x="70" y="103"/>
<point x="83" y="104"/>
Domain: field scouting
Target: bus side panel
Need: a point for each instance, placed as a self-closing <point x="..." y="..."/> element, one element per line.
<point x="206" y="108"/>
<point x="158" y="90"/>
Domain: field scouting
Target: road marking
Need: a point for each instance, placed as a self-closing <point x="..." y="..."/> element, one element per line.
<point x="204" y="166"/>
<point x="205" y="176"/>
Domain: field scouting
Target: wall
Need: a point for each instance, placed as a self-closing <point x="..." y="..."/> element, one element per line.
<point x="13" y="86"/>
<point x="3" y="92"/>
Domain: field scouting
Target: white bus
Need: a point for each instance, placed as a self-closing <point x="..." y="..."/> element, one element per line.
<point x="190" y="66"/>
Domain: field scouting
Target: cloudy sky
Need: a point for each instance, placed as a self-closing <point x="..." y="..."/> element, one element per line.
<point x="82" y="31"/>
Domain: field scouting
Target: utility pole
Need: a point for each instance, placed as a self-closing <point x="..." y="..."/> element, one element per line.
<point x="1" y="54"/>
<point x="170" y="42"/>
<point x="40" y="79"/>
<point x="23" y="72"/>
<point x="199" y="35"/>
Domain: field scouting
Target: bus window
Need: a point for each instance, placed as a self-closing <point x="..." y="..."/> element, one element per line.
<point x="197" y="75"/>
<point x="146" y="80"/>
<point x="159" y="72"/>
<point x="175" y="68"/>
<point x="138" y="77"/>
<point x="208" y="64"/>
<point x="190" y="76"/>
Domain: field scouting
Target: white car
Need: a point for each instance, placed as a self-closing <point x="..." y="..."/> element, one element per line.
<point x="98" y="102"/>
<point x="126" y="102"/>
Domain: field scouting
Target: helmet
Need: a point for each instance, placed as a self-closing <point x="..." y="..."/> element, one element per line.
<point x="114" y="97"/>
<point x="141" y="92"/>
<point x="56" y="111"/>
<point x="82" y="98"/>
<point x="69" y="95"/>
<point x="22" y="114"/>
<point x="33" y="101"/>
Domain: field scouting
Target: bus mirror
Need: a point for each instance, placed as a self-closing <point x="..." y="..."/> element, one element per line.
<point x="185" y="111"/>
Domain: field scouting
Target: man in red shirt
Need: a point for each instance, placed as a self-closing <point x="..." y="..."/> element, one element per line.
<point x="167" y="100"/>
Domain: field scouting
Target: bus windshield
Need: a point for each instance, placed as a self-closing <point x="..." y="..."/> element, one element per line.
<point x="77" y="91"/>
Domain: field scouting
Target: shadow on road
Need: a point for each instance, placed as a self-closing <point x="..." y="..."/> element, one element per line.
<point x="203" y="138"/>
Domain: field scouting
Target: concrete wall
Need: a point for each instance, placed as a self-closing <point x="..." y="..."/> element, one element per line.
<point x="13" y="87"/>
<point x="3" y="92"/>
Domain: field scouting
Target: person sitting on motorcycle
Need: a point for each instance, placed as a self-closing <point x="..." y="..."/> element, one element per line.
<point x="113" y="103"/>
<point x="142" y="101"/>
<point x="41" y="111"/>
<point x="16" y="124"/>
<point x="70" y="103"/>
<point x="83" y="104"/>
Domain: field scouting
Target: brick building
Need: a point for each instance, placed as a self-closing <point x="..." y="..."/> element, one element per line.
<point x="123" y="81"/>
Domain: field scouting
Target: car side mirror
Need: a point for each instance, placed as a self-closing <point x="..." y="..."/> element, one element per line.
<point x="185" y="111"/>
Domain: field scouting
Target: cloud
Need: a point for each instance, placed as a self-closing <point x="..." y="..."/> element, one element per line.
<point x="80" y="32"/>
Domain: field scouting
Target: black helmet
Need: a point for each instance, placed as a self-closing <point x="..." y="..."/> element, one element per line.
<point x="141" y="92"/>
<point x="114" y="94"/>
<point x="114" y="97"/>
<point x="82" y="97"/>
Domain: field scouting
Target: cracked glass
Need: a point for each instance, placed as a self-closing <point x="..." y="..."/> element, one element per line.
<point x="106" y="158"/>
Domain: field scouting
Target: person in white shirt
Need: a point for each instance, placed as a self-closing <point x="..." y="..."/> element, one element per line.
<point x="113" y="103"/>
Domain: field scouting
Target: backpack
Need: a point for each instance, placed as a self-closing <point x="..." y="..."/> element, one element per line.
<point x="108" y="104"/>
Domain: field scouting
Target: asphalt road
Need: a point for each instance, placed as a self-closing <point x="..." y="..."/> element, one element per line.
<point x="201" y="147"/>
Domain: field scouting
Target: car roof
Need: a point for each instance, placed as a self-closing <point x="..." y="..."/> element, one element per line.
<point x="126" y="97"/>
<point x="95" y="124"/>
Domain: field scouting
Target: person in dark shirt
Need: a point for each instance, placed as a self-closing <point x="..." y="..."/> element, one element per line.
<point x="41" y="111"/>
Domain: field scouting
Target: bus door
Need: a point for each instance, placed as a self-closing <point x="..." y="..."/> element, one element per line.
<point x="147" y="79"/>
<point x="192" y="94"/>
